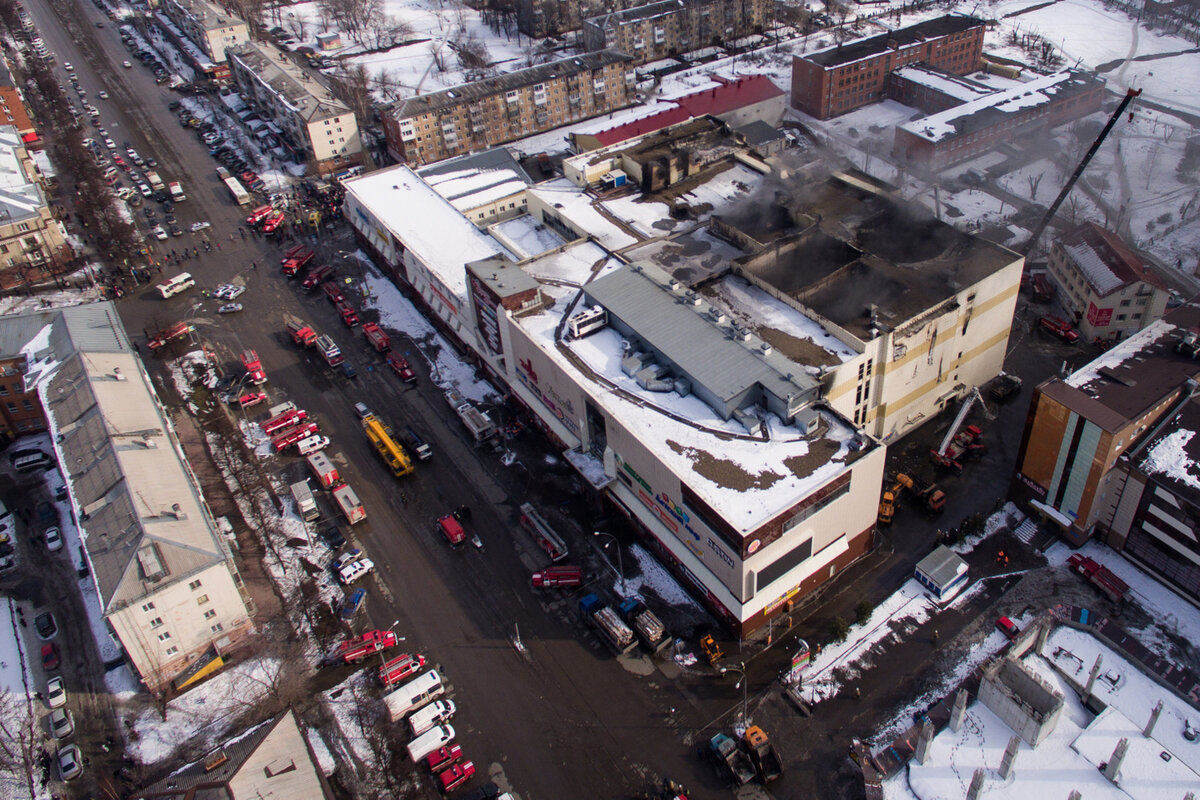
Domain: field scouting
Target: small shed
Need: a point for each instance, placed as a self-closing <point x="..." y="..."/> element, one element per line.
<point x="329" y="41"/>
<point x="764" y="139"/>
<point x="942" y="572"/>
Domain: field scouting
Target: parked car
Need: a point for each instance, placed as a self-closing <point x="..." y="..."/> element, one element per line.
<point x="62" y="724"/>
<point x="56" y="693"/>
<point x="200" y="226"/>
<point x="70" y="765"/>
<point x="353" y="603"/>
<point x="50" y="660"/>
<point x="54" y="540"/>
<point x="348" y="370"/>
<point x="333" y="537"/>
<point x="229" y="308"/>
<point x="1007" y="627"/>
<point x="45" y="626"/>
<point x="229" y="291"/>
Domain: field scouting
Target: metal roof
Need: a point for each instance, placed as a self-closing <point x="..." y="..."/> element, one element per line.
<point x="942" y="566"/>
<point x="681" y="328"/>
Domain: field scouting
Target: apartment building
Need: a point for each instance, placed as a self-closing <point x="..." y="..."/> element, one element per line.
<point x="32" y="242"/>
<point x="315" y="125"/>
<point x="1029" y="110"/>
<point x="1078" y="427"/>
<point x="21" y="409"/>
<point x="482" y="114"/>
<point x="207" y="25"/>
<point x="165" y="579"/>
<point x="843" y="77"/>
<point x="1106" y="287"/>
<point x="13" y="110"/>
<point x="662" y="29"/>
<point x="541" y="18"/>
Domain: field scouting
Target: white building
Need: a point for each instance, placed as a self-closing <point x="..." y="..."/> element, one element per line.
<point x="168" y="586"/>
<point x="686" y="380"/>
<point x="209" y="26"/>
<point x="318" y="127"/>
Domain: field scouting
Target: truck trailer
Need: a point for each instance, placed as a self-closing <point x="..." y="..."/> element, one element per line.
<point x="615" y="633"/>
<point x="349" y="504"/>
<point x="306" y="504"/>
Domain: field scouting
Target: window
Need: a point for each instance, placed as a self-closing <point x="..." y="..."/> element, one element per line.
<point x="194" y="585"/>
<point x="162" y="637"/>
<point x="202" y="599"/>
<point x="156" y="622"/>
<point x="172" y="650"/>
<point x="218" y="628"/>
<point x="12" y="407"/>
<point x="28" y="406"/>
<point x="210" y="613"/>
<point x="147" y="606"/>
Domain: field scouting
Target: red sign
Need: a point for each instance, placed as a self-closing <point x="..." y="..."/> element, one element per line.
<point x="1099" y="317"/>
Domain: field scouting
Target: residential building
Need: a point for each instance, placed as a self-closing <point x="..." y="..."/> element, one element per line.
<point x="207" y="25"/>
<point x="1106" y="287"/>
<point x="1028" y="110"/>
<point x="486" y="187"/>
<point x="166" y="582"/>
<point x="21" y="409"/>
<point x="13" y="110"/>
<point x="843" y="77"/>
<point x="541" y="18"/>
<point x="648" y="358"/>
<point x="738" y="101"/>
<point x="1079" y="426"/>
<point x="488" y="112"/>
<point x="33" y="245"/>
<point x="315" y="126"/>
<point x="669" y="27"/>
<point x="274" y="760"/>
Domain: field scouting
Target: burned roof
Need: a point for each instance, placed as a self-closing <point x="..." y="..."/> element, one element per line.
<point x="852" y="247"/>
<point x="1172" y="456"/>
<point x="478" y="90"/>
<point x="874" y="45"/>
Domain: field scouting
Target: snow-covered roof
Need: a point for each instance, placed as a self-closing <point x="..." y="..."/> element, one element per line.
<point x="749" y="479"/>
<point x="1104" y="260"/>
<point x="293" y="87"/>
<point x="1163" y="764"/>
<point x="991" y="109"/>
<point x="959" y="87"/>
<point x="20" y="197"/>
<point x="578" y="210"/>
<point x="837" y="55"/>
<point x="428" y="224"/>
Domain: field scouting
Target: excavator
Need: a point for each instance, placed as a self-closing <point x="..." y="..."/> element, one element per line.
<point x="933" y="498"/>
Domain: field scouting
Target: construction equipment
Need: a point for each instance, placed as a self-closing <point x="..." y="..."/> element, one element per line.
<point x="959" y="441"/>
<point x="763" y="754"/>
<point x="932" y="497"/>
<point x="712" y="651"/>
<point x="389" y="450"/>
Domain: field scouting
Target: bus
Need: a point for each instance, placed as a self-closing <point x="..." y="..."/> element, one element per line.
<point x="174" y="286"/>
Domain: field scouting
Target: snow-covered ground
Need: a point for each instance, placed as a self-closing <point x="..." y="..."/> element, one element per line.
<point x="200" y="718"/>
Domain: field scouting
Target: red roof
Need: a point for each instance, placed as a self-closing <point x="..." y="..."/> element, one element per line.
<point x="730" y="95"/>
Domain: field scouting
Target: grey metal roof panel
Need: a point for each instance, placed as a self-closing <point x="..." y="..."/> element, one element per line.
<point x="497" y="158"/>
<point x="702" y="349"/>
<point x="942" y="565"/>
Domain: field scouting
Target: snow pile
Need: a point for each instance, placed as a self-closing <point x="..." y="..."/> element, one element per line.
<point x="653" y="577"/>
<point x="200" y="718"/>
<point x="1169" y="457"/>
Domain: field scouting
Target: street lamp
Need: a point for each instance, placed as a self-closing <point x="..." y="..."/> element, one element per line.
<point x="743" y="684"/>
<point x="620" y="563"/>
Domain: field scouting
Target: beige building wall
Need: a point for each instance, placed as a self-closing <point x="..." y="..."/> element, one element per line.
<point x="168" y="629"/>
<point x="334" y="137"/>
<point x="906" y="376"/>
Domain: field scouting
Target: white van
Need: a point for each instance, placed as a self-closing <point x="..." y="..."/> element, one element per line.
<point x="179" y="283"/>
<point x="312" y="444"/>
<point x="282" y="408"/>
<point x="429" y="741"/>
<point x="29" y="461"/>
<point x="430" y="715"/>
<point x="416" y="693"/>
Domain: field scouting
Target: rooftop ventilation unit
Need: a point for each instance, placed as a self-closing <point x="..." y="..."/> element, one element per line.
<point x="178" y="512"/>
<point x="683" y="387"/>
<point x="809" y="421"/>
<point x="651" y="378"/>
<point x="151" y="563"/>
<point x="766" y="348"/>
<point x="743" y="334"/>
<point x="718" y="316"/>
<point x="633" y="363"/>
<point x="587" y="322"/>
<point x="117" y="375"/>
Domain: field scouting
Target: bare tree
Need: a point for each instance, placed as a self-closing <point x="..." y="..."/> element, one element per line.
<point x="18" y="736"/>
<point x="354" y="17"/>
<point x="353" y="85"/>
<point x="435" y="52"/>
<point x="473" y="53"/>
<point x="1034" y="179"/>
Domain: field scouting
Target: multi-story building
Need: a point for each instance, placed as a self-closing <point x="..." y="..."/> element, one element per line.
<point x="1080" y="426"/>
<point x="33" y="246"/>
<point x="665" y="28"/>
<point x="482" y="114"/>
<point x="13" y="111"/>
<point x="317" y="127"/>
<point x="207" y="25"/>
<point x="541" y="18"/>
<point x="1030" y="109"/>
<point x="21" y="409"/>
<point x="165" y="578"/>
<point x="843" y="77"/>
<point x="1108" y="289"/>
<point x="725" y="438"/>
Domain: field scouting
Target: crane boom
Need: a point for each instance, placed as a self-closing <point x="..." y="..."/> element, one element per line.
<point x="1044" y="222"/>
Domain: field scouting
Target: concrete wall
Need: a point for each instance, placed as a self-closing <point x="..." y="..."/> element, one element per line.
<point x="1024" y="701"/>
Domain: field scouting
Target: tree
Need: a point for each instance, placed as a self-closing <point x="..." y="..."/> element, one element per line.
<point x="838" y="629"/>
<point x="1034" y="179"/>
<point x="354" y="17"/>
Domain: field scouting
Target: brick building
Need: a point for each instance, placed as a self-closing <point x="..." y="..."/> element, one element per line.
<point x="33" y="247"/>
<point x="844" y="77"/>
<point x="482" y="114"/>
<point x="961" y="133"/>
<point x="662" y="29"/>
<point x="1107" y="288"/>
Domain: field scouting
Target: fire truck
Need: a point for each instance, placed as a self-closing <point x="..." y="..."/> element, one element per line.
<point x="253" y="367"/>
